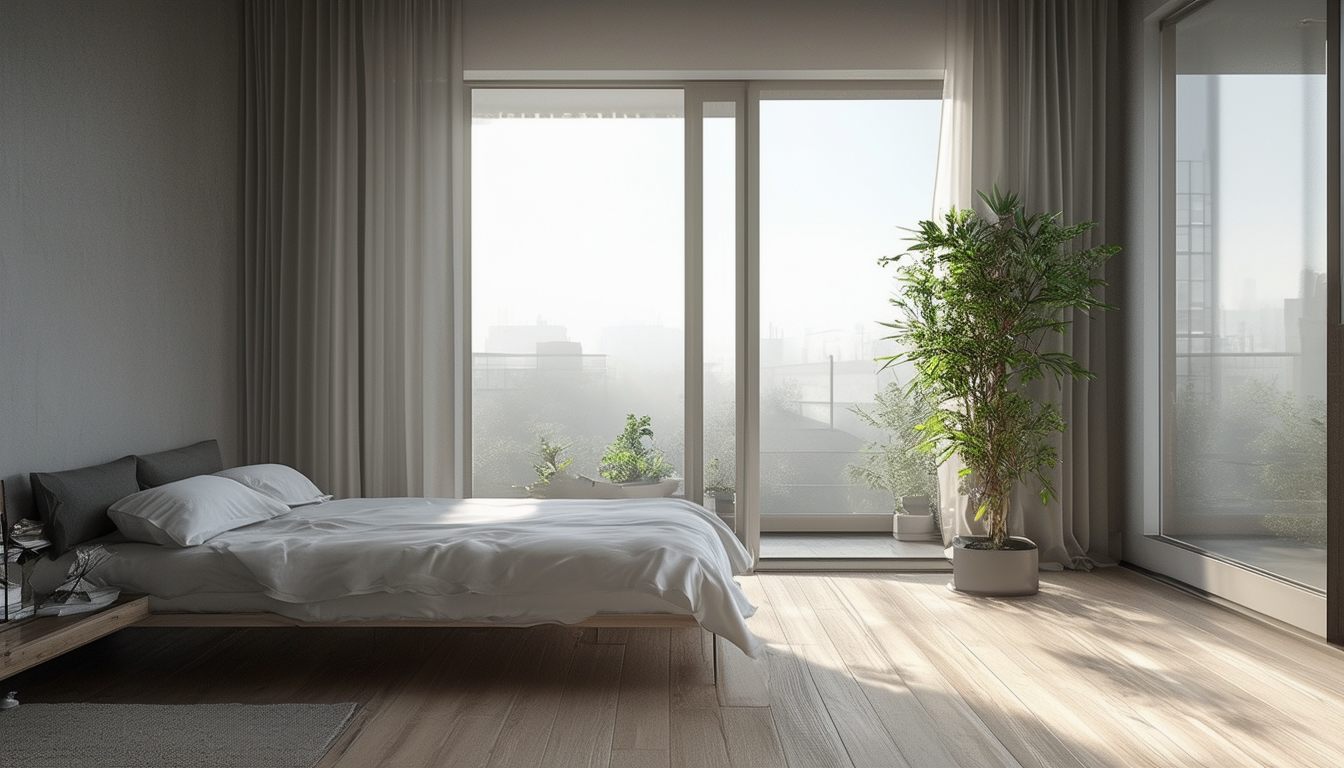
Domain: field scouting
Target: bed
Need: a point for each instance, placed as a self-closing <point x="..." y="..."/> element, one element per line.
<point x="261" y="545"/>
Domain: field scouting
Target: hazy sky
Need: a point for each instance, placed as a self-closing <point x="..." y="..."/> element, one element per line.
<point x="578" y="221"/>
<point x="1270" y="192"/>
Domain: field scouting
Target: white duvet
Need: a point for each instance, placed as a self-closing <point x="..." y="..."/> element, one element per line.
<point x="452" y="559"/>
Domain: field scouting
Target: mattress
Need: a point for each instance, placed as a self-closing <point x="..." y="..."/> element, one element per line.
<point x="514" y="561"/>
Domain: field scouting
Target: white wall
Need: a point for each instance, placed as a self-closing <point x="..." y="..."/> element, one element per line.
<point x="118" y="230"/>
<point x="700" y="35"/>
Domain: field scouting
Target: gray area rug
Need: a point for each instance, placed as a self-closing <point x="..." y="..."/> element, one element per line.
<point x="170" y="735"/>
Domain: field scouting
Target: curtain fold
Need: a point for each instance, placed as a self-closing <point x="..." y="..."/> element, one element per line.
<point x="1024" y="107"/>
<point x="347" y="290"/>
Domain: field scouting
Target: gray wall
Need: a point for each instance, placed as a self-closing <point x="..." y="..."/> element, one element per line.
<point x="118" y="230"/>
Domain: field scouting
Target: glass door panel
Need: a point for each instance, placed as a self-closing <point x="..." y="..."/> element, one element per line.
<point x="720" y="301"/>
<point x="577" y="295"/>
<point x="1247" y="413"/>
<point x="839" y="178"/>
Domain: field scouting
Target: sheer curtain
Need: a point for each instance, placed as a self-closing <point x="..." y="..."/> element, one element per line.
<point x="348" y="221"/>
<point x="1024" y="107"/>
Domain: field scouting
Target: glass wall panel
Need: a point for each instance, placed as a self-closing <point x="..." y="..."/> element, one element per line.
<point x="577" y="272"/>
<point x="839" y="178"/>
<point x="1248" y="412"/>
<point x="720" y="307"/>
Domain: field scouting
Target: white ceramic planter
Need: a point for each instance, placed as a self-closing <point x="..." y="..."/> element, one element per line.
<point x="723" y="504"/>
<point x="564" y="487"/>
<point x="910" y="527"/>
<point x="915" y="523"/>
<point x="650" y="490"/>
<point x="1005" y="572"/>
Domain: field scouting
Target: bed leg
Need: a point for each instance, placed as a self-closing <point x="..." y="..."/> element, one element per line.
<point x="715" y="640"/>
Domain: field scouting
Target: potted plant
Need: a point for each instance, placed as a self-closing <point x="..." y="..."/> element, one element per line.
<point x="980" y="298"/>
<point x="631" y="462"/>
<point x="550" y="467"/>
<point x="897" y="465"/>
<point x="719" y="490"/>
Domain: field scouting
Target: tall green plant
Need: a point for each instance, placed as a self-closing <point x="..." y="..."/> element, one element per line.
<point x="979" y="299"/>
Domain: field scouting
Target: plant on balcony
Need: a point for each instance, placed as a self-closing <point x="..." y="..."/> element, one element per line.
<point x="980" y="297"/>
<point x="718" y="478"/>
<point x="896" y="464"/>
<point x="550" y="463"/>
<point x="629" y="459"/>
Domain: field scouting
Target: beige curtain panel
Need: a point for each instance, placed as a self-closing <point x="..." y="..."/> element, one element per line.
<point x="348" y="218"/>
<point x="1024" y="107"/>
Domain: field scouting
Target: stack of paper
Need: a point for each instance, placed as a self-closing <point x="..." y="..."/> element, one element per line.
<point x="27" y="536"/>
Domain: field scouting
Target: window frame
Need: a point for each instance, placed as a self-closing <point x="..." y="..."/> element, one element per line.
<point x="747" y="96"/>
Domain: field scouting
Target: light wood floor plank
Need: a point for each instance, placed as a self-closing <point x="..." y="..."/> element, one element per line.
<point x="376" y="681"/>
<point x="959" y="729"/>
<point x="1147" y="711"/>
<point x="804" y="726"/>
<point x="751" y="737"/>
<point x="692" y="669"/>
<point x="644" y="704"/>
<point x="467" y="745"/>
<point x="1284" y="654"/>
<point x="1210" y="675"/>
<point x="1009" y="718"/>
<point x="866" y="739"/>
<point x="1107" y="668"/>
<point x="640" y="758"/>
<point x="414" y="723"/>
<point x="1027" y="666"/>
<point x="897" y="708"/>
<point x="697" y="739"/>
<point x="581" y="733"/>
<point x="527" y="729"/>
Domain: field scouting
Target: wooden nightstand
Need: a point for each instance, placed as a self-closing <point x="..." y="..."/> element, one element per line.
<point x="30" y="642"/>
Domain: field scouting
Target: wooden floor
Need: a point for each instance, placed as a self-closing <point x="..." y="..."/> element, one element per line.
<point x="1101" y="669"/>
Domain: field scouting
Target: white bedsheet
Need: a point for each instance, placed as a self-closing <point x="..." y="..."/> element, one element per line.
<point x="562" y="559"/>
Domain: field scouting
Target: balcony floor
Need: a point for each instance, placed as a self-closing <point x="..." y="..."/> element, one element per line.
<point x="848" y="552"/>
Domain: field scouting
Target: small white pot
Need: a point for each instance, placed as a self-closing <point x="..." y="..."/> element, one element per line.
<point x="911" y="527"/>
<point x="915" y="522"/>
<point x="723" y="504"/>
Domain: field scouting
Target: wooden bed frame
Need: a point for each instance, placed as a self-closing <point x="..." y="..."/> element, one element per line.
<point x="596" y="621"/>
<point x="600" y="621"/>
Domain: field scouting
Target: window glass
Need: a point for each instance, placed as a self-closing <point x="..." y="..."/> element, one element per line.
<point x="839" y="179"/>
<point x="1248" y="418"/>
<point x="577" y="272"/>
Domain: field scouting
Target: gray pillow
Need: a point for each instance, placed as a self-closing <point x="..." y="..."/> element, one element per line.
<point x="73" y="504"/>
<point x="165" y="467"/>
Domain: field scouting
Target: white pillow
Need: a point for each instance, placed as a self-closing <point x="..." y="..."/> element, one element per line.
<point x="188" y="512"/>
<point x="284" y="484"/>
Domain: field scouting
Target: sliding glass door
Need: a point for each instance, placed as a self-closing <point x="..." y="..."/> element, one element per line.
<point x="704" y="256"/>
<point x="842" y="175"/>
<point x="1247" y="359"/>
<point x="577" y="270"/>
<point x="1248" y="222"/>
